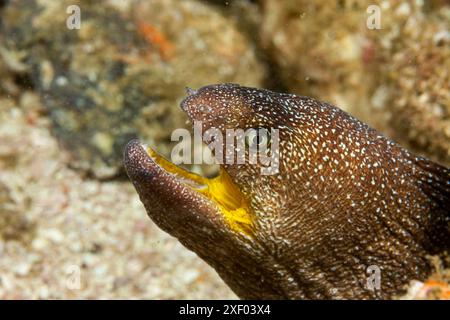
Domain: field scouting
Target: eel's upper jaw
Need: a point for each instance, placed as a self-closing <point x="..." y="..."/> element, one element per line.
<point x="168" y="199"/>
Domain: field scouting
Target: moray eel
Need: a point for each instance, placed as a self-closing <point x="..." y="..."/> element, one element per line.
<point x="345" y="200"/>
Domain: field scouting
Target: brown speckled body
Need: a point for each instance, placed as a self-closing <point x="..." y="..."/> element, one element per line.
<point x="345" y="198"/>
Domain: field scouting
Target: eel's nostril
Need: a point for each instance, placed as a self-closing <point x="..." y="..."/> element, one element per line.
<point x="190" y="91"/>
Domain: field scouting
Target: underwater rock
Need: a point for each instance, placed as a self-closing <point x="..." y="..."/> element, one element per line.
<point x="319" y="48"/>
<point x="123" y="73"/>
<point x="9" y="67"/>
<point x="13" y="223"/>
<point x="436" y="287"/>
<point x="413" y="54"/>
<point x="395" y="78"/>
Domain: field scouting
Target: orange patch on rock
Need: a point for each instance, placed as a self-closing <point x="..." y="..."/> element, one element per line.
<point x="155" y="37"/>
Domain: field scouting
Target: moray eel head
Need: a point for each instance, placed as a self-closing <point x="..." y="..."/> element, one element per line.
<point x="332" y="198"/>
<point x="218" y="218"/>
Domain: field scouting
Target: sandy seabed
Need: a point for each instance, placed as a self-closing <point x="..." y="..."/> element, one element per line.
<point x="80" y="238"/>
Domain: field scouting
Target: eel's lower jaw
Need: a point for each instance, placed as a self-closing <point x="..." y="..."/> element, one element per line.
<point x="175" y="196"/>
<point x="171" y="204"/>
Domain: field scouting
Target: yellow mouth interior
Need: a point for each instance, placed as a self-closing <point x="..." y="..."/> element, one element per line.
<point x="221" y="190"/>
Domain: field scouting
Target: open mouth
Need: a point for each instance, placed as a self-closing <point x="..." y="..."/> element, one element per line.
<point x="221" y="190"/>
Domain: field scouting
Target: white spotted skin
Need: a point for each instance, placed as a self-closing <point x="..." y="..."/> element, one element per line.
<point x="345" y="198"/>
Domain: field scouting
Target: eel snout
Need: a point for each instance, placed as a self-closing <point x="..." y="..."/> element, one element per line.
<point x="169" y="197"/>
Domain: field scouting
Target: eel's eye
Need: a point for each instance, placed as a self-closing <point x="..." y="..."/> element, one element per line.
<point x="258" y="138"/>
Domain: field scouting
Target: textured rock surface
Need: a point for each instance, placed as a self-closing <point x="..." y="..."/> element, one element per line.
<point x="436" y="287"/>
<point x="319" y="48"/>
<point x="412" y="52"/>
<point x="14" y="225"/>
<point x="395" y="78"/>
<point x="121" y="75"/>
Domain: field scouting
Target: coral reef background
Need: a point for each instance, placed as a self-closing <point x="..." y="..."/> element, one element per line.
<point x="71" y="225"/>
